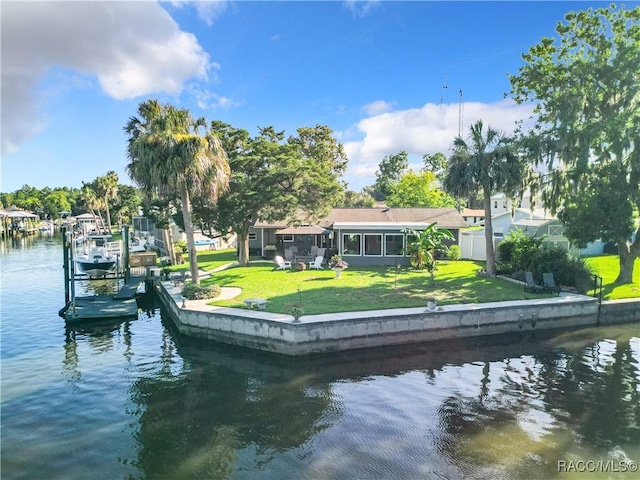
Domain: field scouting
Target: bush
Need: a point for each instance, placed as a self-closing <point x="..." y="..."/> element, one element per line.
<point x="568" y="270"/>
<point x="191" y="291"/>
<point x="454" y="252"/>
<point x="181" y="247"/>
<point x="514" y="253"/>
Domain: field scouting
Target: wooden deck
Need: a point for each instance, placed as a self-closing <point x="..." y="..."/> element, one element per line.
<point x="100" y="307"/>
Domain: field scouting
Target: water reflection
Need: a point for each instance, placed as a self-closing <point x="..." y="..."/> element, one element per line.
<point x="136" y="400"/>
<point x="228" y="412"/>
<point x="195" y="419"/>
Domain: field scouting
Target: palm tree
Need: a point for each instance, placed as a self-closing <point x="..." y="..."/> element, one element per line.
<point x="107" y="188"/>
<point x="486" y="162"/>
<point x="168" y="154"/>
<point x="92" y="203"/>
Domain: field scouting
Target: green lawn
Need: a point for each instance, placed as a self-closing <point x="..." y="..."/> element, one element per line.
<point x="360" y="288"/>
<point x="608" y="267"/>
<point x="371" y="288"/>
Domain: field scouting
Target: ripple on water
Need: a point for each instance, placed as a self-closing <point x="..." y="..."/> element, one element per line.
<point x="133" y="399"/>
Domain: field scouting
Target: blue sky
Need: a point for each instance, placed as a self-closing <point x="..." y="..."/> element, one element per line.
<point x="74" y="72"/>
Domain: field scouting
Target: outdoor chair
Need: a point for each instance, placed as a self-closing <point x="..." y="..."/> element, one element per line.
<point x="530" y="285"/>
<point x="550" y="284"/>
<point x="281" y="263"/>
<point x="317" y="263"/>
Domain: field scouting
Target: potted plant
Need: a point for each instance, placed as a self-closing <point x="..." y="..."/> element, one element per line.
<point x="337" y="264"/>
<point x="296" y="311"/>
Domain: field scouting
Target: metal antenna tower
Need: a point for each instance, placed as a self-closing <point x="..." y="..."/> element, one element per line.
<point x="460" y="114"/>
<point x="444" y="87"/>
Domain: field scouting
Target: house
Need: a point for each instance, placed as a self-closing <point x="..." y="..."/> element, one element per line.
<point x="472" y="216"/>
<point x="363" y="236"/>
<point x="500" y="203"/>
<point x="534" y="223"/>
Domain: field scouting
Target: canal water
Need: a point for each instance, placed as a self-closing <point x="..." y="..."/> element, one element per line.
<point x="135" y="400"/>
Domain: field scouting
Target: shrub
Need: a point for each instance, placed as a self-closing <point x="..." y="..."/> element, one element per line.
<point x="454" y="252"/>
<point x="181" y="246"/>
<point x="568" y="269"/>
<point x="514" y="253"/>
<point x="191" y="291"/>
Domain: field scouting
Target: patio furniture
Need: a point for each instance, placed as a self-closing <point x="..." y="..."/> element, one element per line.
<point x="550" y="284"/>
<point x="317" y="263"/>
<point x="530" y="285"/>
<point x="281" y="263"/>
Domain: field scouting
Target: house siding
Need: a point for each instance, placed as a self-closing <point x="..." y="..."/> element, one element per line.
<point x="370" y="229"/>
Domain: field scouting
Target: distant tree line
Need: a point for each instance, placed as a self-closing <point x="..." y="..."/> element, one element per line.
<point x="113" y="202"/>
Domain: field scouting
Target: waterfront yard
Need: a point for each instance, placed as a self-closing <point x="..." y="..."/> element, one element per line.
<point x="371" y="288"/>
<point x="362" y="288"/>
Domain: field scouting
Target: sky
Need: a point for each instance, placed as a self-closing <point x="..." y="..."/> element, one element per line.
<point x="386" y="76"/>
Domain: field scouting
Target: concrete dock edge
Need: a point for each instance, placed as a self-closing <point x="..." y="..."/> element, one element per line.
<point x="314" y="334"/>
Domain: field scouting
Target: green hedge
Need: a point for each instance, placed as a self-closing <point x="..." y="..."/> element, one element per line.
<point x="191" y="291"/>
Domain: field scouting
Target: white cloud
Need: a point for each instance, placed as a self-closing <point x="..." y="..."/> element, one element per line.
<point x="429" y="129"/>
<point x="132" y="48"/>
<point x="377" y="107"/>
<point x="207" y="100"/>
<point x="360" y="8"/>
<point x="208" y="10"/>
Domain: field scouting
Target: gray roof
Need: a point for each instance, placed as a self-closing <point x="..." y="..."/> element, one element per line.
<point x="445" y="217"/>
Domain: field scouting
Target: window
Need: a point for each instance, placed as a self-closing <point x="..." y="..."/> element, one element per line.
<point x="495" y="204"/>
<point x="287" y="238"/>
<point x="393" y="245"/>
<point x="555" y="230"/>
<point x="373" y="244"/>
<point x="253" y="236"/>
<point x="351" y="244"/>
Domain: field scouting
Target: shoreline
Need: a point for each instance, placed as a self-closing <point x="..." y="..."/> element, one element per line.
<point x="324" y="333"/>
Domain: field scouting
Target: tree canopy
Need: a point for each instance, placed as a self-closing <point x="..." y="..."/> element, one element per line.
<point x="390" y="170"/>
<point x="418" y="190"/>
<point x="274" y="179"/>
<point x="585" y="85"/>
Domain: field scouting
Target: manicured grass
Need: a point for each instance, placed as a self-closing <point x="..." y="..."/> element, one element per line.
<point x="608" y="267"/>
<point x="372" y="288"/>
<point x="363" y="288"/>
<point x="209" y="260"/>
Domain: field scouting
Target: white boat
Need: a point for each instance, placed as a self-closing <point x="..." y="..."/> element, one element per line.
<point x="101" y="256"/>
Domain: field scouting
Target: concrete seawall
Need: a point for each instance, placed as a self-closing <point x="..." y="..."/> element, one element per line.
<point x="279" y="333"/>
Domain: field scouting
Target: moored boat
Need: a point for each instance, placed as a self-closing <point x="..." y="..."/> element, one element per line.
<point x="99" y="261"/>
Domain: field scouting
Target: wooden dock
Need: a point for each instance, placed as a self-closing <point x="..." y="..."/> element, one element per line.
<point x="101" y="307"/>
